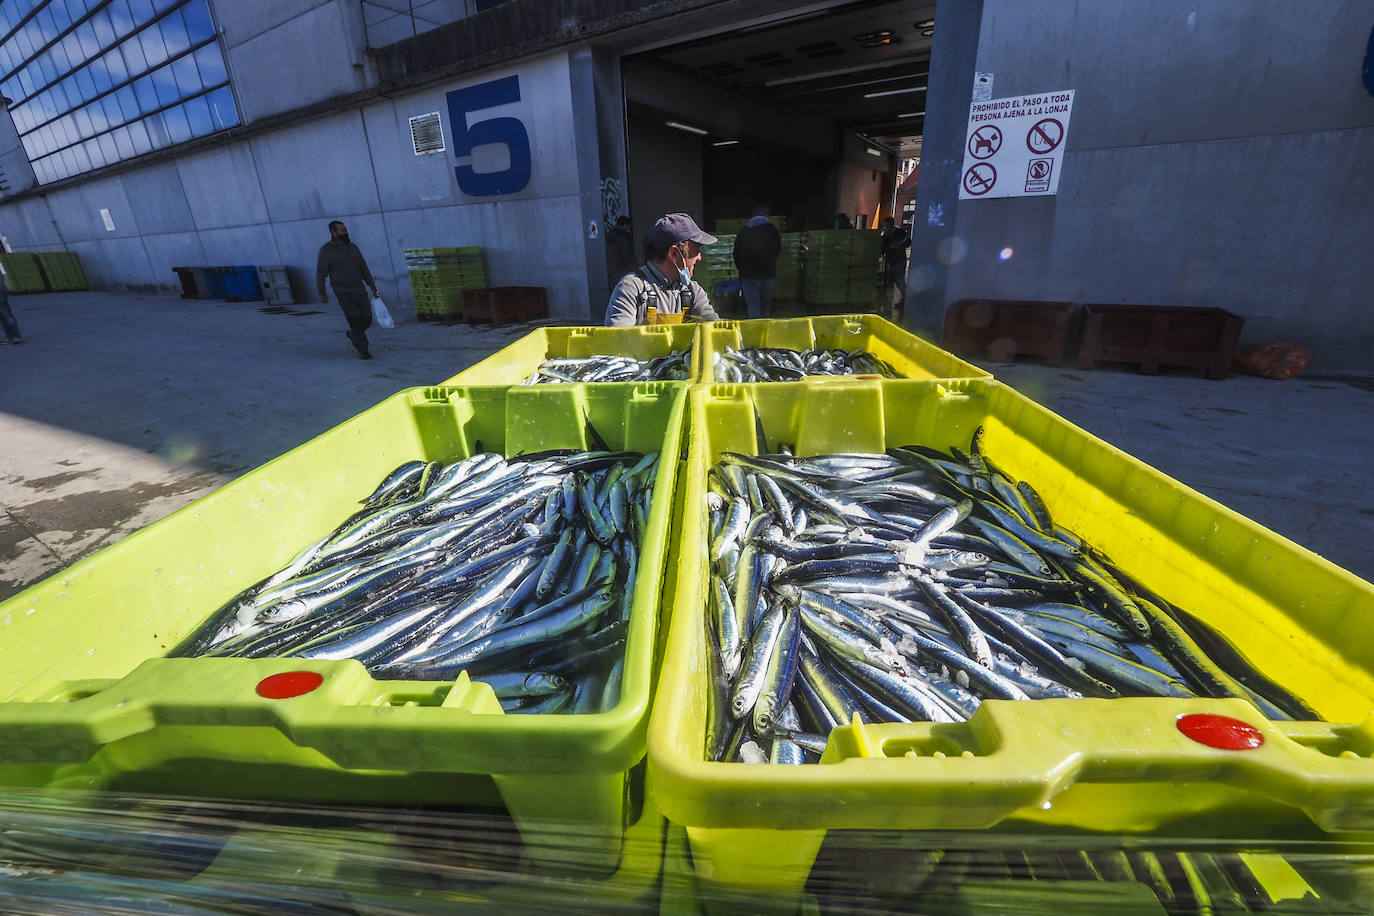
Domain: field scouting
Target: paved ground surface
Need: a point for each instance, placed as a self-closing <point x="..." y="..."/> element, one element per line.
<point x="123" y="408"/>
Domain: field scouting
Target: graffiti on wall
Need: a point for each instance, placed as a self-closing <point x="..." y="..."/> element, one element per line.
<point x="612" y="200"/>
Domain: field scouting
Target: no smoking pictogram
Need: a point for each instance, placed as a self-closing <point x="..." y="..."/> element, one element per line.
<point x="984" y="142"/>
<point x="1044" y="135"/>
<point x="980" y="178"/>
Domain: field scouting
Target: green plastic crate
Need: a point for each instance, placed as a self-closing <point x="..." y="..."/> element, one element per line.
<point x="62" y="270"/>
<point x="1043" y="766"/>
<point x="514" y="364"/>
<point x="909" y="355"/>
<point x="87" y="698"/>
<point x="22" y="273"/>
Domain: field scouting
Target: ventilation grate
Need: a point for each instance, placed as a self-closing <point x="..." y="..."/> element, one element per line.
<point x="427" y="134"/>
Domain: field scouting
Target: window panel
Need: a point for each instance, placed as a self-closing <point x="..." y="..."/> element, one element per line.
<point x="114" y="63"/>
<point x="100" y="73"/>
<point x="210" y="63"/>
<point x="147" y="94"/>
<point x="67" y="158"/>
<point x="128" y="103"/>
<point x="222" y="108"/>
<point x="91" y="149"/>
<point x="113" y="113"/>
<point x="23" y="42"/>
<point x="174" y="34"/>
<point x="47" y="25"/>
<point x="83" y="161"/>
<point x="90" y="46"/>
<point x="199" y="25"/>
<point x="96" y="112"/>
<point x="133" y="56"/>
<point x="85" y="84"/>
<point x="188" y="80"/>
<point x="142" y="10"/>
<point x="108" y="148"/>
<point x="103" y="28"/>
<point x="138" y="136"/>
<point x="123" y="143"/>
<point x="71" y="50"/>
<point x="46" y="69"/>
<point x="121" y="20"/>
<point x="157" y="130"/>
<point x="198" y="115"/>
<point x="82" y="122"/>
<point x="27" y="82"/>
<point x="153" y="48"/>
<point x="166" y="85"/>
<point x="76" y="8"/>
<point x="178" y="127"/>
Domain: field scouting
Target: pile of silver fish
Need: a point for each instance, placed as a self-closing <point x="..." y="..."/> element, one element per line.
<point x="673" y="366"/>
<point x="520" y="571"/>
<point x="778" y="364"/>
<point x="911" y="586"/>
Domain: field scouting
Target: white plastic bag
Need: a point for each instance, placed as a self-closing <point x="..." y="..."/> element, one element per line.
<point x="380" y="315"/>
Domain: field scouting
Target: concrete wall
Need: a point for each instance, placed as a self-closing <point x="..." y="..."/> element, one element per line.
<point x="267" y="200"/>
<point x="328" y="55"/>
<point x="1218" y="156"/>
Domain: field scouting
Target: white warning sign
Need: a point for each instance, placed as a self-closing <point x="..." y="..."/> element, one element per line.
<point x="1015" y="146"/>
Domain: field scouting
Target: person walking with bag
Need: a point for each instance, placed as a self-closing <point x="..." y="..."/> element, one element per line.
<point x="7" y="322"/>
<point x="343" y="264"/>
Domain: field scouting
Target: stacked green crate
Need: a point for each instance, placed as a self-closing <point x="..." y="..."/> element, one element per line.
<point x="22" y="273"/>
<point x="788" y="285"/>
<point x="62" y="270"/>
<point x="842" y="266"/>
<point x="865" y="267"/>
<point x="717" y="263"/>
<point x="438" y="277"/>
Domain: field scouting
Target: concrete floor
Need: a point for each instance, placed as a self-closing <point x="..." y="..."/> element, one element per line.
<point x="122" y="408"/>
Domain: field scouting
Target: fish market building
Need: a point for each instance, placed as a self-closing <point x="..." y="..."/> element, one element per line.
<point x="1217" y="153"/>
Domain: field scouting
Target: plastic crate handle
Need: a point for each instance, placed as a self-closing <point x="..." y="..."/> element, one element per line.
<point x="336" y="708"/>
<point x="1011" y="755"/>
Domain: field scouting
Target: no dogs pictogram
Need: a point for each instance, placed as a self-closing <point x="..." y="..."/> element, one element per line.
<point x="980" y="178"/>
<point x="984" y="142"/>
<point x="1044" y="136"/>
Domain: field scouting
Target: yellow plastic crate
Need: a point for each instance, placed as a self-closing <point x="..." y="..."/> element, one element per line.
<point x="514" y="364"/>
<point x="87" y="698"/>
<point x="909" y="355"/>
<point x="1108" y="766"/>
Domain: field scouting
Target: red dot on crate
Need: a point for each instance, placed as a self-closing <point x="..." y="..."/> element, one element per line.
<point x="1221" y="732"/>
<point x="289" y="684"/>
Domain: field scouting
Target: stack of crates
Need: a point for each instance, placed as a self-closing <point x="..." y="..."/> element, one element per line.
<point x="439" y="276"/>
<point x="842" y="266"/>
<point x="717" y="263"/>
<point x="22" y="273"/>
<point x="787" y="288"/>
<point x="62" y="270"/>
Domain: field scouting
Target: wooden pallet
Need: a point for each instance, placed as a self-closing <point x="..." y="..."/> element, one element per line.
<point x="1160" y="335"/>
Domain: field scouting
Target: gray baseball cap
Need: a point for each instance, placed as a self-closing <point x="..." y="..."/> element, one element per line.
<point x="677" y="227"/>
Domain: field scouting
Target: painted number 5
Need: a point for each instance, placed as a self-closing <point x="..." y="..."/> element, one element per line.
<point x="508" y="132"/>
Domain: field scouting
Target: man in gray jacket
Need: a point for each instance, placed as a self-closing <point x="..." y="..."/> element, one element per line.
<point x="664" y="281"/>
<point x="343" y="265"/>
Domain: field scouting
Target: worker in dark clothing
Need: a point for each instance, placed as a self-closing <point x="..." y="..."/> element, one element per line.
<point x="343" y="265"/>
<point x="895" y="240"/>
<point x="756" y="258"/>
<point x="620" y="251"/>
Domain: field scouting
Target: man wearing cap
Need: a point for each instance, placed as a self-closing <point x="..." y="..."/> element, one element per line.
<point x="664" y="281"/>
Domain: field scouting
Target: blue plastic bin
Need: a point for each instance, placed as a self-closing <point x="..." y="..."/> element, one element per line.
<point x="240" y="283"/>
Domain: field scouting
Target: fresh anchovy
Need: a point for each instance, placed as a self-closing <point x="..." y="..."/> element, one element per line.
<point x="519" y="570"/>
<point x="924" y="582"/>
<point x="672" y="366"/>
<point x="776" y="364"/>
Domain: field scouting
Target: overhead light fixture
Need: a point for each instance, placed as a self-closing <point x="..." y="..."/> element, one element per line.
<point x="826" y="74"/>
<point x="925" y="24"/>
<point x="912" y="114"/>
<point x="927" y="33"/>
<point x="687" y="127"/>
<point x="873" y="152"/>
<point x="726" y="143"/>
<point x="886" y="92"/>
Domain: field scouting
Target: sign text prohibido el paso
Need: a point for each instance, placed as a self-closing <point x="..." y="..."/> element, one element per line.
<point x="1014" y="147"/>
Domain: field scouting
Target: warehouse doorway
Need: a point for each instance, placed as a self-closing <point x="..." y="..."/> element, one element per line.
<point x="815" y="114"/>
